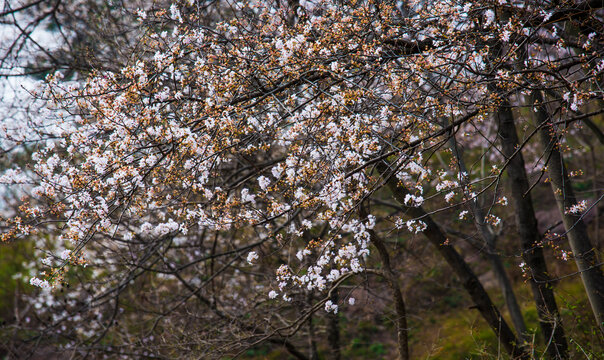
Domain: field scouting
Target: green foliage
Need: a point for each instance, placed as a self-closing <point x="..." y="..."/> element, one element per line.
<point x="364" y="349"/>
<point x="453" y="300"/>
<point x="12" y="257"/>
<point x="257" y="351"/>
<point x="582" y="186"/>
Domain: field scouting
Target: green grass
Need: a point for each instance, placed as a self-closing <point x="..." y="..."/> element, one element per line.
<point x="463" y="334"/>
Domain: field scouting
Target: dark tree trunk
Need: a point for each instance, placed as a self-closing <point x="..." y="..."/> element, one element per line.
<point x="576" y="231"/>
<point x="390" y="275"/>
<point x="470" y="281"/>
<point x="312" y="344"/>
<point x="333" y="330"/>
<point x="503" y="280"/>
<point x="532" y="252"/>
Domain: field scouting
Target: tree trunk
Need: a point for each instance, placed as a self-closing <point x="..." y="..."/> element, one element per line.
<point x="489" y="239"/>
<point x="596" y="190"/>
<point x="333" y="330"/>
<point x="312" y="344"/>
<point x="576" y="231"/>
<point x="469" y="280"/>
<point x="397" y="295"/>
<point x="532" y="252"/>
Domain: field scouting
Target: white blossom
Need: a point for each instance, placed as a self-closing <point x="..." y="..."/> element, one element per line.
<point x="65" y="254"/>
<point x="578" y="208"/>
<point x="264" y="182"/>
<point x="252" y="257"/>
<point x="489" y="17"/>
<point x="44" y="284"/>
<point x="414" y="201"/>
<point x="331" y="307"/>
<point x="416" y="226"/>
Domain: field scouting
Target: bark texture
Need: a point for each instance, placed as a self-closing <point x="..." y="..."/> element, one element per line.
<point x="333" y="331"/>
<point x="576" y="231"/>
<point x="470" y="281"/>
<point x="503" y="280"/>
<point x="390" y="275"/>
<point x="532" y="252"/>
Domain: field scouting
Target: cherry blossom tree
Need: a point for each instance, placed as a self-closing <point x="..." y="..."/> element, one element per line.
<point x="242" y="170"/>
